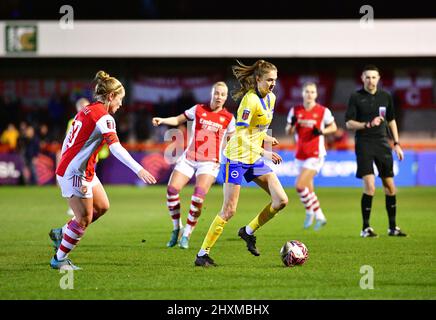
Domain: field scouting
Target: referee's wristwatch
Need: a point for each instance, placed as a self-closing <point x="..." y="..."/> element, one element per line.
<point x="396" y="143"/>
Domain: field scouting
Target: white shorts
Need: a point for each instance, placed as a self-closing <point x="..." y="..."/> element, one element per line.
<point x="77" y="186"/>
<point x="189" y="167"/>
<point x="310" y="163"/>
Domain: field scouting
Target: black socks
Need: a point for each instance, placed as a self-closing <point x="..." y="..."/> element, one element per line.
<point x="391" y="208"/>
<point x="366" y="204"/>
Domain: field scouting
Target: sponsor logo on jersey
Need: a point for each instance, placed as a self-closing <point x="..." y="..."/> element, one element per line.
<point x="210" y="125"/>
<point x="307" y="123"/>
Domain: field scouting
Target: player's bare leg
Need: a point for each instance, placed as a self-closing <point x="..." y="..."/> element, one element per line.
<point x="271" y="184"/>
<point x="202" y="186"/>
<point x="177" y="181"/>
<point x="83" y="212"/>
<point x="101" y="206"/>
<point x="101" y="202"/>
<point x="369" y="184"/>
<point x="230" y="203"/>
<point x="231" y="198"/>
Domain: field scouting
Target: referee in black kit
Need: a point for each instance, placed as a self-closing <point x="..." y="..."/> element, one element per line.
<point x="370" y="113"/>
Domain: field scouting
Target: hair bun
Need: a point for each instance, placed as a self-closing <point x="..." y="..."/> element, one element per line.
<point x="101" y="76"/>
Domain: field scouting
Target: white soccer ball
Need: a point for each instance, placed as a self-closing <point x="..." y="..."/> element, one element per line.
<point x="294" y="253"/>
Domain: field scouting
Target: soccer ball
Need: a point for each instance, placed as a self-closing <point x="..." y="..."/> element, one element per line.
<point x="293" y="253"/>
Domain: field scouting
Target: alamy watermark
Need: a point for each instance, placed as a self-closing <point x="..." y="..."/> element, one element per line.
<point x="66" y="22"/>
<point x="67" y="281"/>
<point x="367" y="280"/>
<point x="367" y="20"/>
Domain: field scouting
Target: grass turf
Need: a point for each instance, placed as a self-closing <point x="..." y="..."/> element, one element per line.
<point x="123" y="255"/>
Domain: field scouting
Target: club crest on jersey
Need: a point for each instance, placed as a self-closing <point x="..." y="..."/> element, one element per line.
<point x="83" y="189"/>
<point x="222" y="119"/>
<point x="110" y="124"/>
<point x="234" y="174"/>
<point x="245" y="114"/>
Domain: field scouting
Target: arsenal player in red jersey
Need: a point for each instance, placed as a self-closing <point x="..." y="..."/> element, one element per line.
<point x="92" y="127"/>
<point x="310" y="122"/>
<point x="202" y="157"/>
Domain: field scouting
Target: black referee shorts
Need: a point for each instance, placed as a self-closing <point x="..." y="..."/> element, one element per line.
<point x="369" y="152"/>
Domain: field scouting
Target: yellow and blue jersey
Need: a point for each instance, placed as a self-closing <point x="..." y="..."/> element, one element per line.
<point x="253" y="119"/>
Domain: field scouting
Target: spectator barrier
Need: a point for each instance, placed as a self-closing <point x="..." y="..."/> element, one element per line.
<point x="417" y="169"/>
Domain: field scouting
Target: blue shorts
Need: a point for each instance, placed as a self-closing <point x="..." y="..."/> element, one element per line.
<point x="235" y="170"/>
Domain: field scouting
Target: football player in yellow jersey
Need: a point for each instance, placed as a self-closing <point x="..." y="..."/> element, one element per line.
<point x="244" y="153"/>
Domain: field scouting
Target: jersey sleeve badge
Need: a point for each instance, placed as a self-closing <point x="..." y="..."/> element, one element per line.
<point x="110" y="124"/>
<point x="245" y="114"/>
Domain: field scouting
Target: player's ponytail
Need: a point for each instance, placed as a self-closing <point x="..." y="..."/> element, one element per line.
<point x="105" y="85"/>
<point x="246" y="75"/>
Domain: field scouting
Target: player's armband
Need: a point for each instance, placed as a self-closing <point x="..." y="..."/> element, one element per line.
<point x="110" y="138"/>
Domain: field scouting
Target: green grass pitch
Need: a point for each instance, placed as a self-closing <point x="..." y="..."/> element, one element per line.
<point x="118" y="264"/>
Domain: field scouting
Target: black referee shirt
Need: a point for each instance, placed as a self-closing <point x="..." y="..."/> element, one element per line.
<point x="364" y="106"/>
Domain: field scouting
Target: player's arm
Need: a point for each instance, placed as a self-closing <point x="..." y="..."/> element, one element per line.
<point x="270" y="139"/>
<point x="356" y="125"/>
<point x="243" y="133"/>
<point x="269" y="154"/>
<point x="247" y="109"/>
<point x="394" y="130"/>
<point x="329" y="124"/>
<point x="289" y="129"/>
<point x="175" y="121"/>
<point x="106" y="125"/>
<point x="273" y="156"/>
<point x="329" y="129"/>
<point x="170" y="121"/>
<point x="229" y="135"/>
<point x="351" y="114"/>
<point x="291" y="122"/>
<point x="231" y="129"/>
<point x="124" y="156"/>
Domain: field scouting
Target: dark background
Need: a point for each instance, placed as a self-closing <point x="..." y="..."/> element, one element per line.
<point x="223" y="9"/>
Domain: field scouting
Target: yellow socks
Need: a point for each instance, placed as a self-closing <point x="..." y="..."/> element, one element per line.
<point x="263" y="217"/>
<point x="215" y="230"/>
<point x="217" y="226"/>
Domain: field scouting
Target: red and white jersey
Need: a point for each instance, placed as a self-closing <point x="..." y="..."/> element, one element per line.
<point x="207" y="132"/>
<point x="308" y="144"/>
<point x="92" y="127"/>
